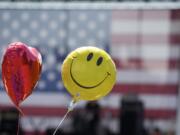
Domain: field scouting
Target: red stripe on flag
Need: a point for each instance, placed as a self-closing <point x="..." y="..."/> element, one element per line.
<point x="171" y="89"/>
<point x="128" y="64"/>
<point x="155" y="14"/>
<point x="60" y="111"/>
<point x="140" y="14"/>
<point x="125" y="14"/>
<point x="150" y="114"/>
<point x="160" y="114"/>
<point x="175" y="39"/>
<point x="135" y="39"/>
<point x="137" y="63"/>
<point x="122" y="39"/>
<point x="175" y="14"/>
<point x="34" y="133"/>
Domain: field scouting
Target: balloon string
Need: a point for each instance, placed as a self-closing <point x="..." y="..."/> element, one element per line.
<point x="20" y="110"/>
<point x="61" y="122"/>
<point x="18" y="123"/>
<point x="70" y="108"/>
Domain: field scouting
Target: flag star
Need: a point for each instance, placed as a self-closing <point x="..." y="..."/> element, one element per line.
<point x="62" y="33"/>
<point x="82" y="17"/>
<point x="44" y="16"/>
<point x="61" y="50"/>
<point x="58" y="67"/>
<point x="52" y="42"/>
<point x="42" y="84"/>
<point x="102" y="17"/>
<point x="50" y="60"/>
<point x="72" y="25"/>
<point x="44" y="67"/>
<point x="43" y="33"/>
<point x="6" y="16"/>
<point x="51" y="76"/>
<point x="15" y="24"/>
<point x="62" y="17"/>
<point x="15" y="39"/>
<point x="72" y="42"/>
<point x="43" y="50"/>
<point x="24" y="33"/>
<point x="91" y="41"/>
<point x="1" y="83"/>
<point x="101" y="34"/>
<point x="4" y="48"/>
<point x="91" y="25"/>
<point x="34" y="24"/>
<point x="5" y="33"/>
<point x="25" y="16"/>
<point x="82" y="33"/>
<point x="59" y="85"/>
<point x="33" y="41"/>
<point x="53" y="25"/>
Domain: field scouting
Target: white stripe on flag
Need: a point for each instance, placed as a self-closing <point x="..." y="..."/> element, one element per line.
<point x="43" y="123"/>
<point x="141" y="27"/>
<point x="157" y="101"/>
<point x="147" y="76"/>
<point x="145" y="51"/>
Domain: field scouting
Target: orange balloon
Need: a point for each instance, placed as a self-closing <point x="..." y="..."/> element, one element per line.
<point x="21" y="69"/>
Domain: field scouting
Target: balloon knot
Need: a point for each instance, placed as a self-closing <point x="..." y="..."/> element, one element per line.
<point x="72" y="105"/>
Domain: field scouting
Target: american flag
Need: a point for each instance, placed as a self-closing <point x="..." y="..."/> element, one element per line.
<point x="144" y="44"/>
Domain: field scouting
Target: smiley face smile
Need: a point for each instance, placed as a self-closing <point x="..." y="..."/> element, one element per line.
<point x="80" y="85"/>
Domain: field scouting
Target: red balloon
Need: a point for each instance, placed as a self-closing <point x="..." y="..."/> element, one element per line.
<point x="21" y="69"/>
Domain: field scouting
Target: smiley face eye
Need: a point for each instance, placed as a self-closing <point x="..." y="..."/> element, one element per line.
<point x="99" y="61"/>
<point x="89" y="57"/>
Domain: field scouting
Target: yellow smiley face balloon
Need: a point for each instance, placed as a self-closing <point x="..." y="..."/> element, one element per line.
<point x="88" y="73"/>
